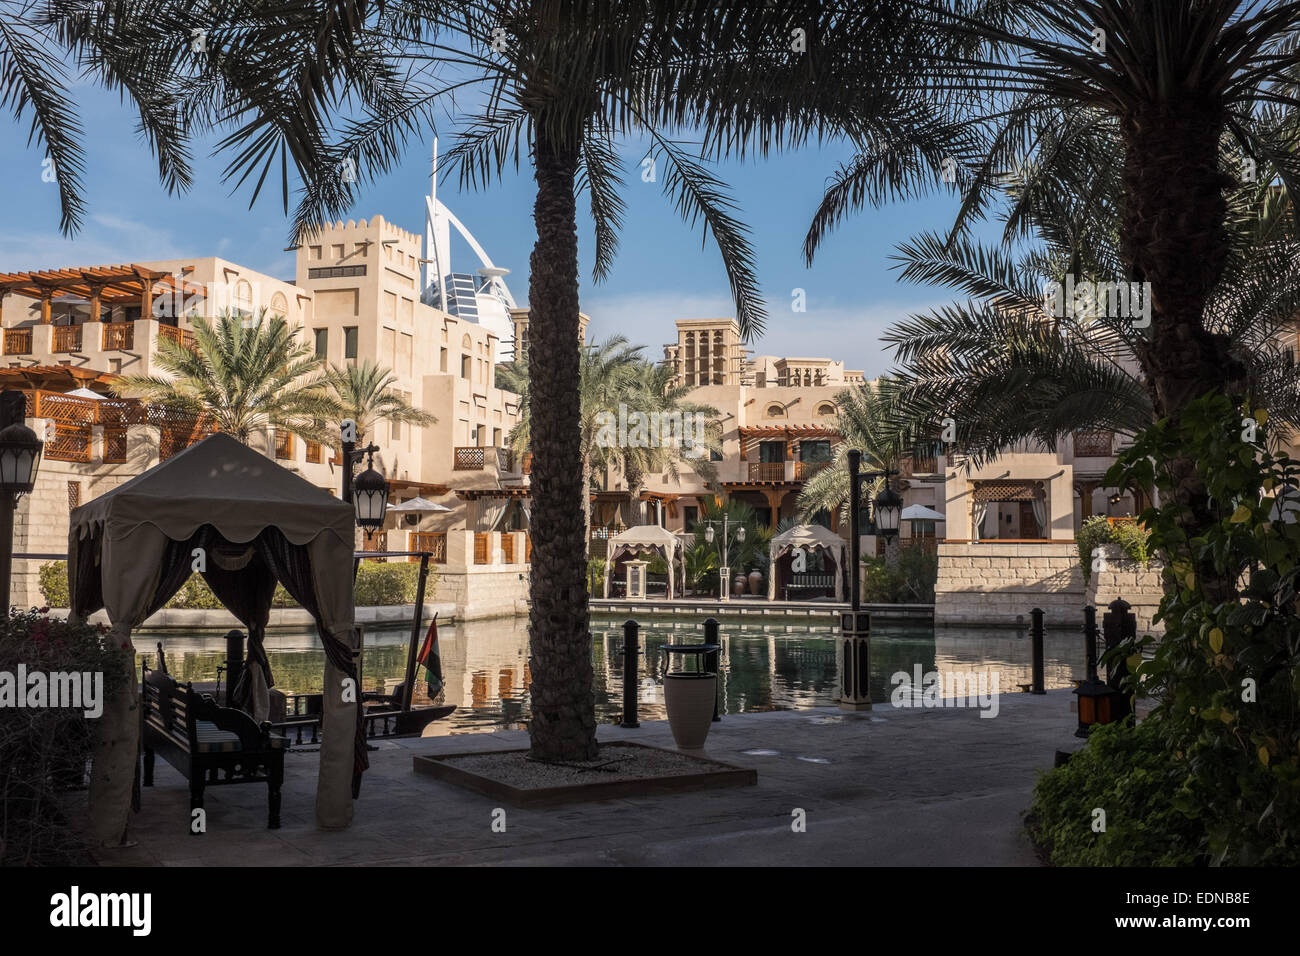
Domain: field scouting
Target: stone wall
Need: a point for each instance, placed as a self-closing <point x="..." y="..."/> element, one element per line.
<point x="1120" y="577"/>
<point x="993" y="583"/>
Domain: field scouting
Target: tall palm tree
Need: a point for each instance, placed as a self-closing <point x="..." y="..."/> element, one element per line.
<point x="1005" y="372"/>
<point x="605" y="377"/>
<point x="365" y="394"/>
<point x="653" y="391"/>
<point x="242" y="377"/>
<point x="1176" y="77"/>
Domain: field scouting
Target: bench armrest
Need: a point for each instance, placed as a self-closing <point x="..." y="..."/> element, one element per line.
<point x="251" y="736"/>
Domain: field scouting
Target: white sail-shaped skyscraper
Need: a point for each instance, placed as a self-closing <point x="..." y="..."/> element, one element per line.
<point x="481" y="296"/>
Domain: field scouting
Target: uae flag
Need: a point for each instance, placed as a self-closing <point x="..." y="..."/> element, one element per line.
<point x="431" y="660"/>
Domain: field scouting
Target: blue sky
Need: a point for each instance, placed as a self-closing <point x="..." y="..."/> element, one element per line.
<point x="662" y="272"/>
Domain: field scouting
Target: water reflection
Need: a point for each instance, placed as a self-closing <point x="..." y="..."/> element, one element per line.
<point x="774" y="667"/>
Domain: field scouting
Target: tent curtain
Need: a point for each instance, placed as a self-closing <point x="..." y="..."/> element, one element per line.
<point x="489" y="514"/>
<point x="1040" y="515"/>
<point x="241" y="580"/>
<point x="978" y="514"/>
<point x="291" y="564"/>
<point x="525" y="508"/>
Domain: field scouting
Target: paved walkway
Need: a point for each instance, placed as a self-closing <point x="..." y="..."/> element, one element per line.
<point x="886" y="787"/>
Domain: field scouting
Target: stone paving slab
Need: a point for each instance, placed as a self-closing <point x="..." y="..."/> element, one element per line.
<point x="909" y="787"/>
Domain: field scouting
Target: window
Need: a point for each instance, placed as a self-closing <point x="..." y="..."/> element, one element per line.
<point x="322" y="343"/>
<point x="465" y="366"/>
<point x="395" y="430"/>
<point x="283" y="445"/>
<point x="336" y="272"/>
<point x="690" y="516"/>
<point x="74" y="494"/>
<point x="715" y="454"/>
<point x="775" y="411"/>
<point x="337" y="251"/>
<point x="313" y="252"/>
<point x="244" y="296"/>
<point x="350" y="342"/>
<point x="279" y="305"/>
<point x="771" y="451"/>
<point x="442" y="360"/>
<point x="825" y="408"/>
<point x="817" y="451"/>
<point x="313" y="452"/>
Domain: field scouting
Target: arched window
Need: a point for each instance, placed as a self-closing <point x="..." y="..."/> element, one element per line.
<point x="825" y="408"/>
<point x="775" y="411"/>
<point x="244" y="296"/>
<point x="466" y="343"/>
<point x="280" y="305"/>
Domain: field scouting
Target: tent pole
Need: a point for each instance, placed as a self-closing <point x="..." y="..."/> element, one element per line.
<point x="417" y="618"/>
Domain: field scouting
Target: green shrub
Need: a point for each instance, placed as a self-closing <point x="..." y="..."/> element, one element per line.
<point x="1097" y="530"/>
<point x="54" y="583"/>
<point x="910" y="581"/>
<point x="1131" y="775"/>
<point x="44" y="750"/>
<point x="596" y="576"/>
<point x="378" y="584"/>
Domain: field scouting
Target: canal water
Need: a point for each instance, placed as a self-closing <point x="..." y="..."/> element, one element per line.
<point x="764" y="667"/>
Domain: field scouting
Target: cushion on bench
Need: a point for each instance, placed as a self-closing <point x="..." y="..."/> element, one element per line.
<point x="212" y="739"/>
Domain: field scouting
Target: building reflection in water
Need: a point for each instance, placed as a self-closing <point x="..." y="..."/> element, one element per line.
<point x="777" y="667"/>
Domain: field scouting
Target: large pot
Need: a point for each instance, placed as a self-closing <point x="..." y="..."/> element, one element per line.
<point x="689" y="699"/>
<point x="738" y="585"/>
<point x="755" y="581"/>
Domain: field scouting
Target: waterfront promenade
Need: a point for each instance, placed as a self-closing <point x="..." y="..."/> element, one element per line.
<point x="909" y="787"/>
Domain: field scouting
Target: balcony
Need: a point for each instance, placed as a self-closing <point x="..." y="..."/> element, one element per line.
<point x="70" y="443"/>
<point x="803" y="470"/>
<point x="468" y="459"/>
<point x="18" y="341"/>
<point x="435" y="542"/>
<point x="1092" y="443"/>
<point x="179" y="336"/>
<point x="913" y="465"/>
<point x="118" y="337"/>
<point x="283" y="445"/>
<point x="67" y="338"/>
<point x="767" y="471"/>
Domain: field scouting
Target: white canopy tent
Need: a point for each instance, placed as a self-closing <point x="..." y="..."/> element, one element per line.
<point x="251" y="523"/>
<point x="921" y="513"/>
<point x="810" y="537"/>
<point x="643" y="539"/>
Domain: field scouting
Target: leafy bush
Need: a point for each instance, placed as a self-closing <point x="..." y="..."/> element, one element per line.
<point x="379" y="584"/>
<point x="596" y="576"/>
<point x="910" y="581"/>
<point x="44" y="750"/>
<point x="1097" y="530"/>
<point x="1129" y="773"/>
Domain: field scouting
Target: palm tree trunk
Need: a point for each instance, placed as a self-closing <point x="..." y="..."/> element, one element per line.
<point x="586" y="503"/>
<point x="563" y="706"/>
<point x="1173" y="236"/>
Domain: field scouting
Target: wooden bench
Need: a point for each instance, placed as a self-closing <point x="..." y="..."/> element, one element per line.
<point x="209" y="744"/>
<point x="810" y="582"/>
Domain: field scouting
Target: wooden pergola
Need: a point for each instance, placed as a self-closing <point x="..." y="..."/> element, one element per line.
<point x="97" y="285"/>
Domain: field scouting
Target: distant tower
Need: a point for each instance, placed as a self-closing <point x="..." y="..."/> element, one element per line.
<point x="483" y="298"/>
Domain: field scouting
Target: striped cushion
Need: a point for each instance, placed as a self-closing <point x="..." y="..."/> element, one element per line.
<point x="213" y="740"/>
<point x="278" y="743"/>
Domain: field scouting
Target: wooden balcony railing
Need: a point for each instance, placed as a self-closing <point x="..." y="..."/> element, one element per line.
<point x="18" y="342"/>
<point x="118" y="336"/>
<point x="70" y="443"/>
<point x="482" y="547"/>
<point x="507" y="549"/>
<point x="177" y="335"/>
<point x="914" y="465"/>
<point x="505" y="460"/>
<point x="803" y="470"/>
<point x="435" y="542"/>
<point x="314" y="453"/>
<point x="468" y="459"/>
<point x="284" y="445"/>
<point x="528" y="548"/>
<point x="115" y="445"/>
<point x="767" y="471"/>
<point x="1092" y="443"/>
<point x="67" y="338"/>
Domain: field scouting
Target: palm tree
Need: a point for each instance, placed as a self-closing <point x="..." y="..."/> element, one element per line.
<point x="652" y="391"/>
<point x="365" y="394"/>
<point x="243" y="378"/>
<point x="1005" y="373"/>
<point x="1175" y="78"/>
<point x="605" y="378"/>
<point x="867" y="419"/>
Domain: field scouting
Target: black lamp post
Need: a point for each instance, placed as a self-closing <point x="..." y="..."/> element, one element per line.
<point x="724" y="570"/>
<point x="20" y="457"/>
<point x="368" y="492"/>
<point x="855" y="627"/>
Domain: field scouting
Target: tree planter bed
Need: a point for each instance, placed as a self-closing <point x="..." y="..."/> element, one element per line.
<point x="621" y="770"/>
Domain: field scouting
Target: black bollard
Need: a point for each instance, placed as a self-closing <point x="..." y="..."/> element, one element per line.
<point x="631" y="651"/>
<point x="234" y="663"/>
<point x="1119" y="624"/>
<point x="714" y="660"/>
<point x="1036" y="632"/>
<point x="1090" y="640"/>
